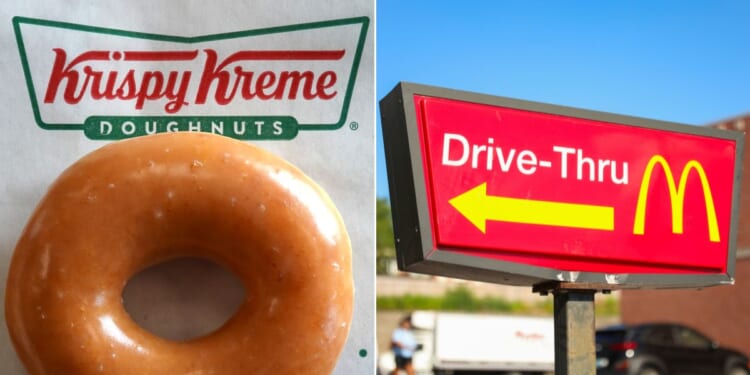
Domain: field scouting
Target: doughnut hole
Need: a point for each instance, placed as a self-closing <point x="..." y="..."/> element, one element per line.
<point x="184" y="298"/>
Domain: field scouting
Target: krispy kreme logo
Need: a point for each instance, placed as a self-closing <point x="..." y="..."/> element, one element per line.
<point x="255" y="84"/>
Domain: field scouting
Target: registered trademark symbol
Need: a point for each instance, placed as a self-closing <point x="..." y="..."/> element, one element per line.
<point x="354" y="125"/>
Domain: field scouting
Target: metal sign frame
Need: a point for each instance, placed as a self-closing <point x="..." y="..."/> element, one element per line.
<point x="410" y="209"/>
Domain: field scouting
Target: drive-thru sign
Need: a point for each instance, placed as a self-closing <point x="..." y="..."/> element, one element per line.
<point x="515" y="192"/>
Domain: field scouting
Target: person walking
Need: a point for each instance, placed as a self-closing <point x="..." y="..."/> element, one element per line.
<point x="403" y="344"/>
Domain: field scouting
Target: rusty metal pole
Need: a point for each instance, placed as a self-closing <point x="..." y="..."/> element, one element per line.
<point x="575" y="349"/>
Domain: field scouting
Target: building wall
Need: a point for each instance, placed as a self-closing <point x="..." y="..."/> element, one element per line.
<point x="741" y="124"/>
<point x="721" y="312"/>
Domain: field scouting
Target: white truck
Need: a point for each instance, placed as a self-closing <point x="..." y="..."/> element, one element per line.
<point x="463" y="344"/>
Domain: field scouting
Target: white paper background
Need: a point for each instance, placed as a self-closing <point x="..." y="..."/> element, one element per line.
<point x="341" y="161"/>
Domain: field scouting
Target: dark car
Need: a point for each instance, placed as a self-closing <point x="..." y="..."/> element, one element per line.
<point x="663" y="349"/>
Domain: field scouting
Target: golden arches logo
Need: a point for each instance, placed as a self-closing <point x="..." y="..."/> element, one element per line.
<point x="677" y="196"/>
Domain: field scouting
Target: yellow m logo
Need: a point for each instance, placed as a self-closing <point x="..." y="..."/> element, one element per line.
<point x="677" y="197"/>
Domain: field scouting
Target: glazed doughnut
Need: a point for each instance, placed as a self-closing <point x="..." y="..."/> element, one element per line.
<point x="135" y="203"/>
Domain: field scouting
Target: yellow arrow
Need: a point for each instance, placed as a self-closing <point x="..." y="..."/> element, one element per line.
<point x="478" y="207"/>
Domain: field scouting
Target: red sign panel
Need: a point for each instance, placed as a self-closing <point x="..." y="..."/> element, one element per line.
<point x="573" y="193"/>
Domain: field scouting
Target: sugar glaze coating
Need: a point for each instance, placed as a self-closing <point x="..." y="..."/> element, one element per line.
<point x="135" y="203"/>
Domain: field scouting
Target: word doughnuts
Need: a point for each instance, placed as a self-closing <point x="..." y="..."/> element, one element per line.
<point x="139" y="202"/>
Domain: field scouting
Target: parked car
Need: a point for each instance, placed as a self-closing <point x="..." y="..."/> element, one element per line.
<point x="664" y="349"/>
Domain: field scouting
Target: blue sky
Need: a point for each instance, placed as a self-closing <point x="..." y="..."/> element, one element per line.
<point x="681" y="61"/>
